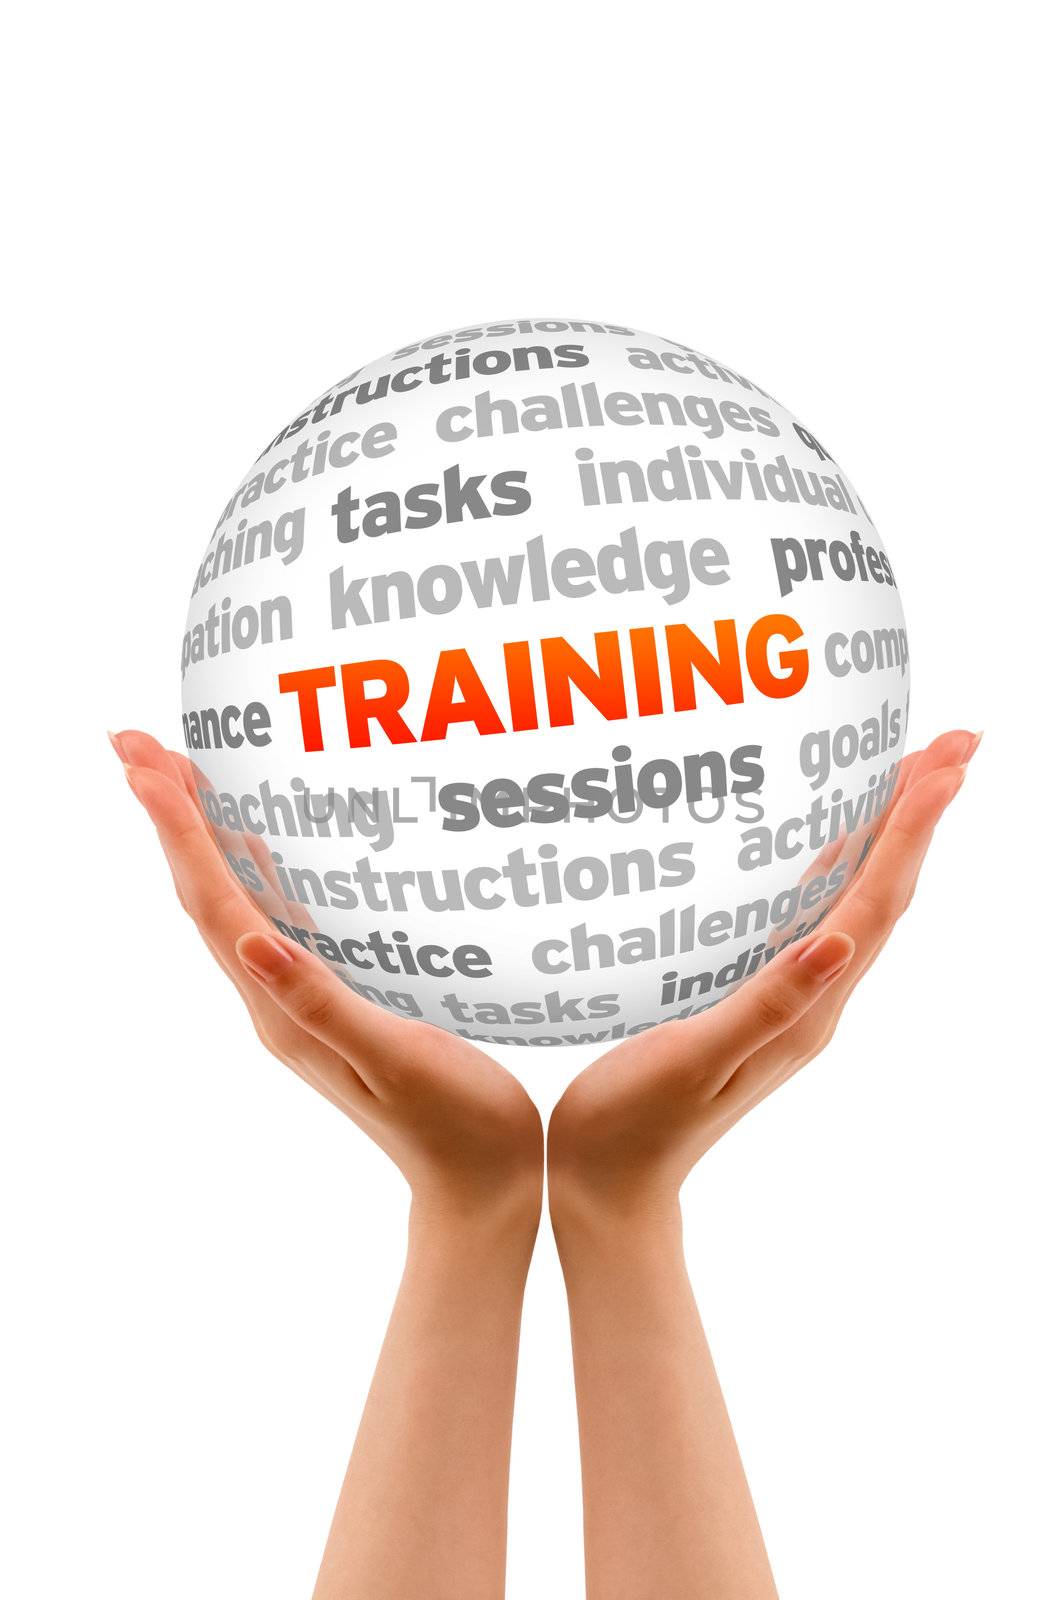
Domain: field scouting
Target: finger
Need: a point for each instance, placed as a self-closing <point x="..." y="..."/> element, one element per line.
<point x="209" y="888"/>
<point x="220" y="906"/>
<point x="371" y="1039"/>
<point x="194" y="778"/>
<point x="776" y="997"/>
<point x="888" y="878"/>
<point x="767" y="1069"/>
<point x="779" y="1055"/>
<point x="870" y="911"/>
<point x="270" y="897"/>
<point x="137" y="749"/>
<point x="825" y="860"/>
<point x="845" y="854"/>
<point x="870" y="922"/>
<point x="868" y="916"/>
<point x="158" y="794"/>
<point x="291" y="911"/>
<point x="975" y="742"/>
<point x="952" y="749"/>
<point x="222" y="912"/>
<point x="885" y="867"/>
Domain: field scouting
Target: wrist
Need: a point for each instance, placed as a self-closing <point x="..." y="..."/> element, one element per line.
<point x="616" y="1220"/>
<point x="501" y="1218"/>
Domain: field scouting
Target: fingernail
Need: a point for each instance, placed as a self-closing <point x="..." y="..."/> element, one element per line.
<point x="266" y="957"/>
<point x="975" y="742"/>
<point x="115" y="739"/>
<point x="826" y="955"/>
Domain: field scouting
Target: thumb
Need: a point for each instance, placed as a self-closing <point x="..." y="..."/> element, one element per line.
<point x="318" y="1001"/>
<point x="777" y="996"/>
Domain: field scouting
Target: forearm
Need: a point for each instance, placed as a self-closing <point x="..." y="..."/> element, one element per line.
<point x="667" y="1508"/>
<point x="423" y="1509"/>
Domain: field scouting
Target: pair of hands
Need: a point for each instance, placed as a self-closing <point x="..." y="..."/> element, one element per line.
<point x="629" y="1129"/>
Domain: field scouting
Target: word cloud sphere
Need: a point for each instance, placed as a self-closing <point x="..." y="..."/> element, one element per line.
<point x="545" y="678"/>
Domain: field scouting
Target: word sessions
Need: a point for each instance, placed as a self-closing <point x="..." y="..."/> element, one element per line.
<point x="375" y="693"/>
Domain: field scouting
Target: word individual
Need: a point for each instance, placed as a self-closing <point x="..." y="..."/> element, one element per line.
<point x="684" y="473"/>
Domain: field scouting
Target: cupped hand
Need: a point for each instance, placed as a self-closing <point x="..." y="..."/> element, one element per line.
<point x="462" y="1130"/>
<point x="629" y="1129"/>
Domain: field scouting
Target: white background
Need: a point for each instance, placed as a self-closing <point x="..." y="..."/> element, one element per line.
<point x="216" y="211"/>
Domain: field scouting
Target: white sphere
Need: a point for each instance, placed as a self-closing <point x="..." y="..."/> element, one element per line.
<point x="531" y="672"/>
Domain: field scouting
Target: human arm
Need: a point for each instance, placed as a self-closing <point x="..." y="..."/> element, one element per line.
<point x="423" y="1507"/>
<point x="667" y="1507"/>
